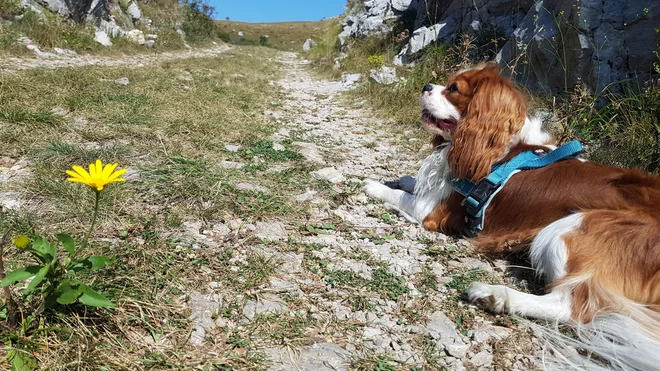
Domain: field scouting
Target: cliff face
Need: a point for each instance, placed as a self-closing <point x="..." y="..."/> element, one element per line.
<point x="551" y="44"/>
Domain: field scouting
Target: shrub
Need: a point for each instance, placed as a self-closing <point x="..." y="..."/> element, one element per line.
<point x="198" y="24"/>
<point x="376" y="61"/>
<point x="224" y="36"/>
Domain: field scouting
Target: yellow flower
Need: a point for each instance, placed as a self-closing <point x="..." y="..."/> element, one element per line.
<point x="21" y="242"/>
<point x="98" y="176"/>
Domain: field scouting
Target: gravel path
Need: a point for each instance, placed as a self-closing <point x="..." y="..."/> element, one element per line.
<point x="63" y="61"/>
<point x="425" y="327"/>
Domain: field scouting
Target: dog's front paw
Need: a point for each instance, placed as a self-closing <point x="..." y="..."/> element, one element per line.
<point x="376" y="189"/>
<point x="489" y="297"/>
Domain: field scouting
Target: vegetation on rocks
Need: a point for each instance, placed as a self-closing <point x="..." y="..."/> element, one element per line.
<point x="619" y="124"/>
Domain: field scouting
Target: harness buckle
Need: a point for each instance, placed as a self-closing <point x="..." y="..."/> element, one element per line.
<point x="476" y="199"/>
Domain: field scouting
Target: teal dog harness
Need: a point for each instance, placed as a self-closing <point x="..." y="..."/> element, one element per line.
<point x="478" y="196"/>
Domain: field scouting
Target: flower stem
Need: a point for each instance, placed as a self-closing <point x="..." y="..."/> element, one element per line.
<point x="91" y="226"/>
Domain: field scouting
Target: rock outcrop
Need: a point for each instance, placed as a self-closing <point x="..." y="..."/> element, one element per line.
<point x="551" y="44"/>
<point x="112" y="18"/>
<point x="373" y="17"/>
<point x="562" y="43"/>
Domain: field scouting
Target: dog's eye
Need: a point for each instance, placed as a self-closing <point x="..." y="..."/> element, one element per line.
<point x="453" y="88"/>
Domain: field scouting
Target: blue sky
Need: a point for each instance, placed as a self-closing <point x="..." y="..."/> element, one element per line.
<point x="277" y="10"/>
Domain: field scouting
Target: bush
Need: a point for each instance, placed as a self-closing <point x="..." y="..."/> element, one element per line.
<point x="619" y="129"/>
<point x="224" y="36"/>
<point x="198" y="24"/>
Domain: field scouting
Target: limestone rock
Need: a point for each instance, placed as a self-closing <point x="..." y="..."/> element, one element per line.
<point x="424" y="36"/>
<point x="265" y="304"/>
<point x="444" y="331"/>
<point x="102" y="38"/>
<point x="136" y="37"/>
<point x="272" y="231"/>
<point x="203" y="309"/>
<point x="384" y="75"/>
<point x="308" y="45"/>
<point x="317" y="357"/>
<point x="330" y="174"/>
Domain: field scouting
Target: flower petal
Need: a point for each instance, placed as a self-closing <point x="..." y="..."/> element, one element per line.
<point x="108" y="170"/>
<point x="115" y="175"/>
<point x="99" y="168"/>
<point x="82" y="172"/>
<point x="118" y="180"/>
<point x="77" y="180"/>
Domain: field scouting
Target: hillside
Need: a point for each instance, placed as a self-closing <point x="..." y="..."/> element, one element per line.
<point x="282" y="36"/>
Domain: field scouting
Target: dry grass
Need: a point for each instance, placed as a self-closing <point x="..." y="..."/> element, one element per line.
<point x="282" y="36"/>
<point x="170" y="125"/>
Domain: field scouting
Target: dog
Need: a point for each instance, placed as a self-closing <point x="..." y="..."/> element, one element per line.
<point x="592" y="231"/>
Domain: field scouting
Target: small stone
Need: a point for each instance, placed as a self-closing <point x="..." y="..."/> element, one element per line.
<point x="305" y="196"/>
<point x="65" y="52"/>
<point x="291" y="263"/>
<point x="370" y="333"/>
<point x="309" y="151"/>
<point x="122" y="81"/>
<point x="135" y="36"/>
<point x="203" y="309"/>
<point x="232" y="147"/>
<point x="232" y="164"/>
<point x="267" y="304"/>
<point x="352" y="78"/>
<point x="10" y="200"/>
<point x="271" y="231"/>
<point x="482" y="359"/>
<point x="384" y="75"/>
<point x="102" y="38"/>
<point x="308" y="45"/>
<point x="252" y="187"/>
<point x="132" y="174"/>
<point x="317" y="357"/>
<point x="330" y="174"/>
<point x="278" y="147"/>
<point x="60" y="111"/>
<point x="149" y="44"/>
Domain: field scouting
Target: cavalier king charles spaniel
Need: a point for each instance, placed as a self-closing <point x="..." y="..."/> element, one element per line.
<point x="592" y="230"/>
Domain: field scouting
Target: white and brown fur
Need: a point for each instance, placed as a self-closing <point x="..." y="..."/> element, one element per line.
<point x="593" y="231"/>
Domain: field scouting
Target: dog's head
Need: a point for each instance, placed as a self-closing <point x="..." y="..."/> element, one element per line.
<point x="480" y="112"/>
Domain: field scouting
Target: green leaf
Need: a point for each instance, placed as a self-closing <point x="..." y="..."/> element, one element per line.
<point x="68" y="292"/>
<point x="331" y="227"/>
<point x="20" y="274"/>
<point x="93" y="298"/>
<point x="67" y="242"/>
<point x="38" y="278"/>
<point x="93" y="262"/>
<point x="45" y="249"/>
<point x="20" y="360"/>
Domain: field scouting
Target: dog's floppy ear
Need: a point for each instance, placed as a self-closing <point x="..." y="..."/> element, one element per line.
<point x="495" y="114"/>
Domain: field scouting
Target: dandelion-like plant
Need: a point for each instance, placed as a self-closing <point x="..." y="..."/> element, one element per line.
<point x="54" y="275"/>
<point x="97" y="178"/>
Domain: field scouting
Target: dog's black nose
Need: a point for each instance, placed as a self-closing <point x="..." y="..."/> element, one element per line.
<point x="427" y="87"/>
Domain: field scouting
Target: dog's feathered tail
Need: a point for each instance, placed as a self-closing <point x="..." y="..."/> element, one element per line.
<point x="626" y="339"/>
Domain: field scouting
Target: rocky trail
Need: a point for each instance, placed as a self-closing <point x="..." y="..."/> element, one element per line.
<point x="52" y="60"/>
<point x="379" y="291"/>
<point x="352" y="286"/>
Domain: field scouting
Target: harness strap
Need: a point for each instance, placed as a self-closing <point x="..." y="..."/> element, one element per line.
<point x="478" y="196"/>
